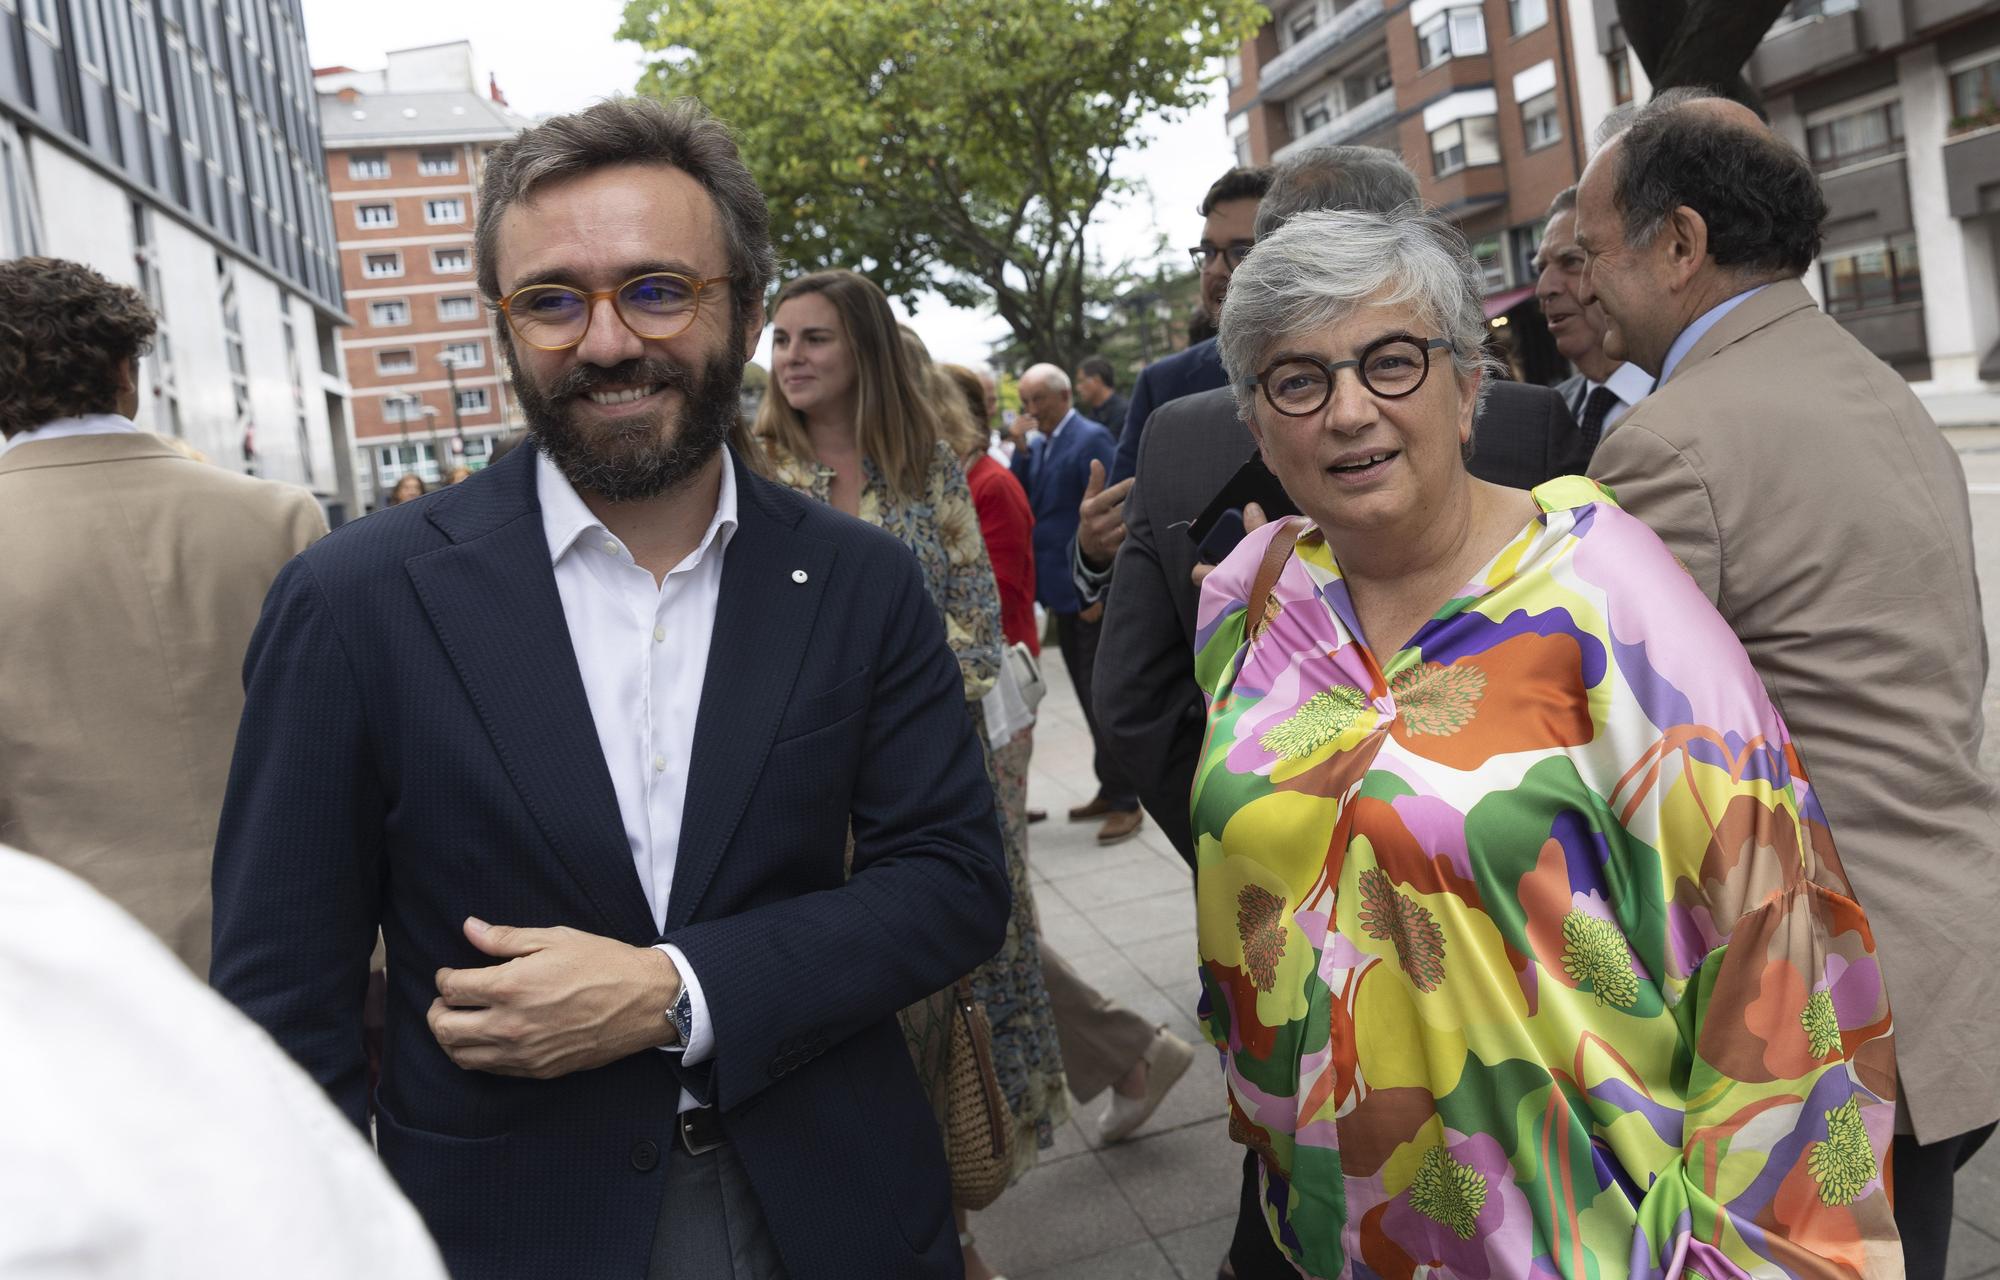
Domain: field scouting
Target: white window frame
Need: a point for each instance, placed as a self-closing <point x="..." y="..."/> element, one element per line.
<point x="368" y="269"/>
<point x="1464" y="145"/>
<point x="1514" y="8"/>
<point x="471" y="311"/>
<point x="466" y="355"/>
<point x="454" y="205"/>
<point x="385" y="365"/>
<point x="376" y="308"/>
<point x="428" y="166"/>
<point x="361" y="211"/>
<point x="370" y="167"/>
<point x="441" y="269"/>
<point x="466" y="403"/>
<point x="1311" y="13"/>
<point x="1554" y="112"/>
<point x="1322" y="103"/>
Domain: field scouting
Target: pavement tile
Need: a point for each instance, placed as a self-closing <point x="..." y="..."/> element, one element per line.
<point x="1062" y="1211"/>
<point x="1194" y="1174"/>
<point x="1105" y="888"/>
<point x="1197" y="1251"/>
<point x="1196" y="1099"/>
<point x="1085" y="859"/>
<point x="1172" y="963"/>
<point x="1141" y="1261"/>
<point x="1111" y="973"/>
<point x="1146" y="919"/>
<point x="1069" y="932"/>
<point x="1973" y="1253"/>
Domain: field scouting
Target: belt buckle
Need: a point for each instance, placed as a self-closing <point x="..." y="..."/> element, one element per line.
<point x="689" y="1143"/>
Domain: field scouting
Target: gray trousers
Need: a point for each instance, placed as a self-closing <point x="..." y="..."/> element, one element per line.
<point x="711" y="1227"/>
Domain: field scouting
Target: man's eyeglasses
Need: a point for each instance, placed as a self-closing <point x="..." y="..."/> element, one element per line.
<point x="655" y="306"/>
<point x="1390" y="368"/>
<point x="1232" y="255"/>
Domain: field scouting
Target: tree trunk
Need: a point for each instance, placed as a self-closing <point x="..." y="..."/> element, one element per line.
<point x="1699" y="43"/>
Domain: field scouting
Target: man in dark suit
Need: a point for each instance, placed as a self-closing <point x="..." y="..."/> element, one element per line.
<point x="624" y="700"/>
<point x="1055" y="465"/>
<point x="1147" y="700"/>
<point x="1605" y="388"/>
<point x="1097" y="388"/>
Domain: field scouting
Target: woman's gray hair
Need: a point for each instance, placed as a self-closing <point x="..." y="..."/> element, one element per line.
<point x="1320" y="267"/>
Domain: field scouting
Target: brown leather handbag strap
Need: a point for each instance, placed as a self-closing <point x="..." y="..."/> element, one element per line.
<point x="1275" y="554"/>
<point x="997" y="1119"/>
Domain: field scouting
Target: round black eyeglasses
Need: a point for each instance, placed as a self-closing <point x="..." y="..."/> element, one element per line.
<point x="1232" y="255"/>
<point x="1389" y="368"/>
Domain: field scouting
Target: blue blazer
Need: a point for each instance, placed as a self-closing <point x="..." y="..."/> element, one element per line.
<point x="417" y="747"/>
<point x="1055" y="476"/>
<point x="1184" y="373"/>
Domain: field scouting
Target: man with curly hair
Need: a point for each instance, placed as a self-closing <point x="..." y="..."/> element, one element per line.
<point x="134" y="576"/>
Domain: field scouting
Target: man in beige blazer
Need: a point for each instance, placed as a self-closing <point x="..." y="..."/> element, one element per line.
<point x="130" y="579"/>
<point x="1814" y="500"/>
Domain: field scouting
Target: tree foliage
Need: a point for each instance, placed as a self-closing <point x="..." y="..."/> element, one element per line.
<point x="952" y="145"/>
<point x="1699" y="43"/>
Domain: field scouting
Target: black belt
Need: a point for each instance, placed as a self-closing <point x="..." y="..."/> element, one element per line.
<point x="700" y="1131"/>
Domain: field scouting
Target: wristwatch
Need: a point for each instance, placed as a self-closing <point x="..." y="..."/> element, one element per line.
<point x="682" y="1016"/>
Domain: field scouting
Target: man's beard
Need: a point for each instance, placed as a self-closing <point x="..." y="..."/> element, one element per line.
<point x="638" y="458"/>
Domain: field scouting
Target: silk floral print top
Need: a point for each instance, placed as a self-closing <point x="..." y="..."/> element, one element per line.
<point x="1526" y="947"/>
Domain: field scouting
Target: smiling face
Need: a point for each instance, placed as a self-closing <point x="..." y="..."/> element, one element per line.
<point x="1577" y="329"/>
<point x="1634" y="284"/>
<point x="1366" y="464"/>
<point x="625" y="417"/>
<point x="812" y="357"/>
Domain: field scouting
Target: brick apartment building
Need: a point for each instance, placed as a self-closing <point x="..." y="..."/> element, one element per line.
<point x="404" y="150"/>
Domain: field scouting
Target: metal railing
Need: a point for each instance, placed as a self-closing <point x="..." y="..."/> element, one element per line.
<point x="1301" y="57"/>
<point x="1348" y="125"/>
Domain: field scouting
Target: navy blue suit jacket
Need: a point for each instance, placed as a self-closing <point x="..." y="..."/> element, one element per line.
<point x="1184" y="373"/>
<point x="1055" y="476"/>
<point x="417" y="747"/>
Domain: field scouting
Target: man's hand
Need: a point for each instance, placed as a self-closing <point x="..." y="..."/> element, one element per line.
<point x="1100" y="524"/>
<point x="1253" y="519"/>
<point x="564" y="1001"/>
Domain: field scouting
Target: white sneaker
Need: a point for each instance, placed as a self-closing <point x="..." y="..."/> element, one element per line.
<point x="1167" y="1060"/>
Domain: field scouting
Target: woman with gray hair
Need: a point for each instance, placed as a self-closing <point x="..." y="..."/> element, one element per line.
<point x="1522" y="935"/>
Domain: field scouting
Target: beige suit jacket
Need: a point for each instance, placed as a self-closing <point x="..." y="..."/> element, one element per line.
<point x="130" y="579"/>
<point x="1818" y="505"/>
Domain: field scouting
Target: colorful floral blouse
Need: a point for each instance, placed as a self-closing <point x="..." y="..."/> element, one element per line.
<point x="1525" y="946"/>
<point x="942" y="529"/>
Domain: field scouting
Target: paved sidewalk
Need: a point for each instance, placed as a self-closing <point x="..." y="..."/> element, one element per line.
<point x="1162" y="1206"/>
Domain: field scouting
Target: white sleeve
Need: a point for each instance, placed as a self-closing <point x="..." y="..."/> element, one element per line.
<point x="700" y="1046"/>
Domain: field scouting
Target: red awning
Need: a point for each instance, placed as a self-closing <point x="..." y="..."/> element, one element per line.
<point x="1499" y="304"/>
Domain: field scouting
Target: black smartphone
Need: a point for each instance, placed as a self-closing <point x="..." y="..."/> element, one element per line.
<point x="1217" y="530"/>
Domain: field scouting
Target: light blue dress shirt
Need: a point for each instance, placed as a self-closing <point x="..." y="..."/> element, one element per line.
<point x="1703" y="323"/>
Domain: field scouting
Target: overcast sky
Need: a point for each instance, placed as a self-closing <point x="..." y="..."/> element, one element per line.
<point x="552" y="58"/>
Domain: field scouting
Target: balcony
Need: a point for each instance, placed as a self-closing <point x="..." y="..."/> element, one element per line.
<point x="1347" y="126"/>
<point x="1866" y="201"/>
<point x="1289" y="69"/>
<point x="1972" y="173"/>
<point x="1806" y="48"/>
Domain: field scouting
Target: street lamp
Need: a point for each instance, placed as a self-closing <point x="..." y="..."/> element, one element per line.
<point x="450" y="363"/>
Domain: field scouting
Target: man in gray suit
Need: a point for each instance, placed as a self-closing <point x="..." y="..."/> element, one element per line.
<point x="1605" y="387"/>
<point x="1820" y="508"/>
<point x="1148" y="705"/>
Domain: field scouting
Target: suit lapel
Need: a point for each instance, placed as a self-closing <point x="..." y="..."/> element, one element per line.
<point x="492" y="598"/>
<point x="773" y="578"/>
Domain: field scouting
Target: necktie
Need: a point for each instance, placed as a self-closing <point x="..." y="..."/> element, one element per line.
<point x="1594" y="411"/>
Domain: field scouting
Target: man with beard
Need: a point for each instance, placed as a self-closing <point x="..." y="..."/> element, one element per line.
<point x="625" y="701"/>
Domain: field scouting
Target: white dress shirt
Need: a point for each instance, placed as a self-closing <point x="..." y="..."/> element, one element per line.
<point x="90" y="424"/>
<point x="642" y="649"/>
<point x="1628" y="382"/>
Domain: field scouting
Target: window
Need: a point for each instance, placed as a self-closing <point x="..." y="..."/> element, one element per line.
<point x="393" y="311"/>
<point x="1464" y="143"/>
<point x="1304" y="22"/>
<point x="1861" y="135"/>
<point x="1620" y="63"/>
<point x="366" y="167"/>
<point x="1883" y="275"/>
<point x="437" y="164"/>
<point x="466" y="355"/>
<point x="1975" y="97"/>
<point x="395" y="362"/>
<point x="1315" y="114"/>
<point x="380" y="266"/>
<point x="461" y="307"/>
<point x="1526" y="15"/>
<point x="459" y="259"/>
<point x="1453" y="33"/>
<point x="444" y="210"/>
<point x="1540" y="124"/>
<point x="1492" y="267"/>
<point x="375" y="215"/>
<point x="1232" y="69"/>
<point x="472" y="400"/>
<point x="1801" y="10"/>
<point x="400" y="407"/>
<point x="1243" y="150"/>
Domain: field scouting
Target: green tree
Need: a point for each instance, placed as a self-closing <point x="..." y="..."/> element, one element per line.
<point x="955" y="145"/>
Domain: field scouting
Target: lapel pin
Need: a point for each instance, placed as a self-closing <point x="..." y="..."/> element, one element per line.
<point x="798" y="575"/>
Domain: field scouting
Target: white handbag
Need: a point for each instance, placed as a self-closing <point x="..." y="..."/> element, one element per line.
<point x="1017" y="691"/>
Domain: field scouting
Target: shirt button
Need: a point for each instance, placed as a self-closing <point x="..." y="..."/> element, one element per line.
<point x="610" y="548"/>
<point x="659" y="764"/>
<point x="659" y="635"/>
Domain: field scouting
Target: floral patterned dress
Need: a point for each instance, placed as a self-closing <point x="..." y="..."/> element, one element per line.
<point x="943" y="532"/>
<point x="1526" y="947"/>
